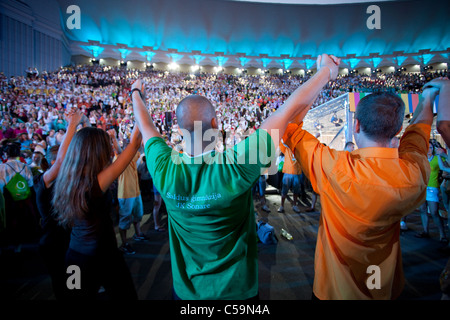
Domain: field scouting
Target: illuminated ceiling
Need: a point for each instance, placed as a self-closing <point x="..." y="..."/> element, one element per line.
<point x="247" y="33"/>
<point x="317" y="2"/>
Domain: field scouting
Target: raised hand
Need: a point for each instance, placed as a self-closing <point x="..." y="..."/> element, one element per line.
<point x="112" y="133"/>
<point x="138" y="84"/>
<point x="331" y="62"/>
<point x="136" y="133"/>
<point x="437" y="83"/>
<point x="431" y="89"/>
<point x="74" y="116"/>
<point x="430" y="92"/>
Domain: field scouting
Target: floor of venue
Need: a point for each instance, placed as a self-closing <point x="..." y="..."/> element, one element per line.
<point x="286" y="269"/>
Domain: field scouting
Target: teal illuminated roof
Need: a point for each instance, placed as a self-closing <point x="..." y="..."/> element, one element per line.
<point x="294" y="33"/>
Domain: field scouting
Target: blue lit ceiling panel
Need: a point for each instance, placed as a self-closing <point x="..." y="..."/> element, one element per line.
<point x="233" y="27"/>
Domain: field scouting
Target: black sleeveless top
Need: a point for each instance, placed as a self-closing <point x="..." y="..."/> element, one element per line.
<point x="94" y="233"/>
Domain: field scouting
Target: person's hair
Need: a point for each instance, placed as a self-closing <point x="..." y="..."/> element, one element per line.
<point x="44" y="164"/>
<point x="380" y="115"/>
<point x="438" y="145"/>
<point x="12" y="149"/>
<point x="39" y="156"/>
<point x="432" y="144"/>
<point x="53" y="153"/>
<point x="88" y="154"/>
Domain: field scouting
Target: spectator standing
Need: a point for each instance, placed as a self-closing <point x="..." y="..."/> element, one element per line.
<point x="16" y="179"/>
<point x="359" y="225"/>
<point x="83" y="202"/>
<point x="54" y="242"/>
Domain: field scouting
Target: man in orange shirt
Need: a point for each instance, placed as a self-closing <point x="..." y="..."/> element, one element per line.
<point x="364" y="195"/>
<point x="291" y="178"/>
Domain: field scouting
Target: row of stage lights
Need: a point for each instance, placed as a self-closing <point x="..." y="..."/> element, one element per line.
<point x="195" y="68"/>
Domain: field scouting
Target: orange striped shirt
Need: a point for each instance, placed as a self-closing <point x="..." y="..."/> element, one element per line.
<point x="364" y="194"/>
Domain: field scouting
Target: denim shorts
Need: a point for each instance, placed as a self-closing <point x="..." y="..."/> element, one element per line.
<point x="291" y="182"/>
<point x="432" y="194"/>
<point x="130" y="210"/>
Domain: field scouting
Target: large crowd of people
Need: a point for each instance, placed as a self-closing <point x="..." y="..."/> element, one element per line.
<point x="35" y="104"/>
<point x="38" y="113"/>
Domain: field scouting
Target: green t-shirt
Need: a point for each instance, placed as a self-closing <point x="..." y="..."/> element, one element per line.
<point x="212" y="227"/>
<point x="434" y="174"/>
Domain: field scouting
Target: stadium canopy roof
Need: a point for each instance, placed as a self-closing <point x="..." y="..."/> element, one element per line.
<point x="259" y="33"/>
<point x="317" y="2"/>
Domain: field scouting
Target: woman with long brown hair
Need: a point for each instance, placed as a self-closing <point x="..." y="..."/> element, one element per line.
<point x="83" y="202"/>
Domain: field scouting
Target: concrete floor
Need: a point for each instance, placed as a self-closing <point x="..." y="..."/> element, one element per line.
<point x="286" y="269"/>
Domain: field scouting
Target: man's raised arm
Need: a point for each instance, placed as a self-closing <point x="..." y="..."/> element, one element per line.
<point x="443" y="110"/>
<point x="141" y="114"/>
<point x="302" y="98"/>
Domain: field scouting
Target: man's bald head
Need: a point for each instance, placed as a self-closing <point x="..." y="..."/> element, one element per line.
<point x="195" y="108"/>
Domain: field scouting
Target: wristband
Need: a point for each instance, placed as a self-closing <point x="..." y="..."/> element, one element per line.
<point x="136" y="89"/>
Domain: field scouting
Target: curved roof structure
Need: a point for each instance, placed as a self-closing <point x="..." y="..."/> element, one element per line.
<point x="260" y="33"/>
